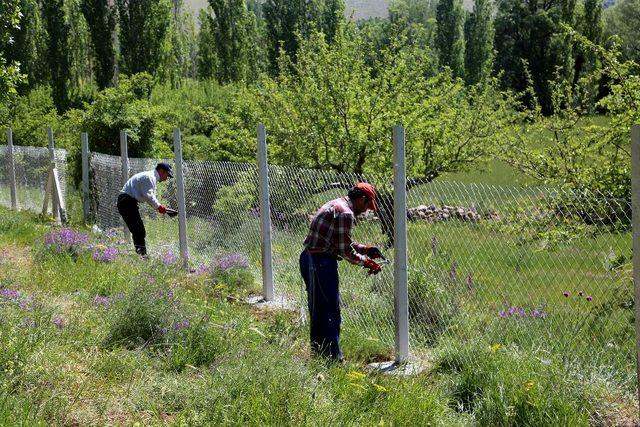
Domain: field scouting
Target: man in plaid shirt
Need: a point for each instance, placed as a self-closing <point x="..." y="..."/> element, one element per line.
<point x="328" y="241"/>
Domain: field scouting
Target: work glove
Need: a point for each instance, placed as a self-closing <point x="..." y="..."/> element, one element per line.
<point x="373" y="252"/>
<point x="162" y="209"/>
<point x="373" y="266"/>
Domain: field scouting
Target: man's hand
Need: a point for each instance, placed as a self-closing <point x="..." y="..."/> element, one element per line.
<point x="373" y="252"/>
<point x="162" y="209"/>
<point x="171" y="212"/>
<point x="373" y="267"/>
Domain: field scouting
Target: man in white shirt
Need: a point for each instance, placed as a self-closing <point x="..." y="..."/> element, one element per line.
<point x="142" y="188"/>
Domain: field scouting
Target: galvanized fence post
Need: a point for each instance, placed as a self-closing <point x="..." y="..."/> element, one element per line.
<point x="401" y="295"/>
<point x="55" y="207"/>
<point x="635" y="204"/>
<point x="86" y="202"/>
<point x="182" y="213"/>
<point x="265" y="216"/>
<point x="12" y="169"/>
<point x="124" y="159"/>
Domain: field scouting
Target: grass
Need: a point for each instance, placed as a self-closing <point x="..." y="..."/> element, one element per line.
<point x="67" y="358"/>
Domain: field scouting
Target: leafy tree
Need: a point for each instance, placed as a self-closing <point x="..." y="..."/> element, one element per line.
<point x="79" y="50"/>
<point x="9" y="71"/>
<point x="330" y="110"/>
<point x="590" y="25"/>
<point x="57" y="27"/>
<point x="573" y="150"/>
<point x="234" y="30"/>
<point x="29" y="47"/>
<point x="450" y="35"/>
<point x="532" y="47"/>
<point x="479" y="42"/>
<point x="286" y="19"/>
<point x="416" y="18"/>
<point x="101" y="18"/>
<point x="207" y="54"/>
<point x="623" y="20"/>
<point x="144" y="29"/>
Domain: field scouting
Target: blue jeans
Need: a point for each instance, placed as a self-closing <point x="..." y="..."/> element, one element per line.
<point x="320" y="274"/>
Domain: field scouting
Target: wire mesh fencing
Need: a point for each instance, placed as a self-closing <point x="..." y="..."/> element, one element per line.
<point x="5" y="180"/>
<point x="105" y="186"/>
<point x="546" y="271"/>
<point x="31" y="171"/>
<point x="295" y="196"/>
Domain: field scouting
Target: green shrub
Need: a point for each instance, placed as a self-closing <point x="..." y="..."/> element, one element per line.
<point x="142" y="317"/>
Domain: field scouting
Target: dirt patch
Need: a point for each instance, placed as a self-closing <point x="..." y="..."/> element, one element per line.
<point x="16" y="255"/>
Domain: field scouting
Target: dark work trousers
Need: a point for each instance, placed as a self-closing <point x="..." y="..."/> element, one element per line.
<point x="128" y="208"/>
<point x="320" y="274"/>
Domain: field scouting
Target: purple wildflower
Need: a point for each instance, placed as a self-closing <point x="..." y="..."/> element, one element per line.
<point x="231" y="261"/>
<point x="59" y="322"/>
<point x="566" y="294"/>
<point x="589" y="298"/>
<point x="538" y="313"/>
<point x="581" y="293"/>
<point x="9" y="294"/>
<point x="100" y="301"/>
<point x="169" y="258"/>
<point x="201" y="269"/>
<point x="182" y="324"/>
<point x="106" y="255"/>
<point x="26" y="303"/>
<point x="65" y="240"/>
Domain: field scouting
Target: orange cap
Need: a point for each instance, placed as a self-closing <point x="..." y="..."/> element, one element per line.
<point x="368" y="191"/>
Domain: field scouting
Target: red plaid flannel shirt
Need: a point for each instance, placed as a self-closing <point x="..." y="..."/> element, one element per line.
<point x="330" y="232"/>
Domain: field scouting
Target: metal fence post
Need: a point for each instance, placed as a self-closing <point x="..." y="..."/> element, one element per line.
<point x="86" y="203"/>
<point x="265" y="216"/>
<point x="635" y="204"/>
<point x="124" y="158"/>
<point x="12" y="169"/>
<point x="401" y="296"/>
<point x="55" y="207"/>
<point x="182" y="206"/>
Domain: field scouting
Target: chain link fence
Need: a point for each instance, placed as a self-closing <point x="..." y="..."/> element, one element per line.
<point x="31" y="171"/>
<point x="544" y="270"/>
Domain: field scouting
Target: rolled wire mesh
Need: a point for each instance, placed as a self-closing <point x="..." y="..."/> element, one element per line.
<point x="545" y="271"/>
<point x="32" y="171"/>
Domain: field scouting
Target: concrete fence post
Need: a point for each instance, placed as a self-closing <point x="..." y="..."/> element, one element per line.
<point x="86" y="202"/>
<point x="124" y="177"/>
<point x="182" y="205"/>
<point x="635" y="225"/>
<point x="11" y="162"/>
<point x="265" y="216"/>
<point x="401" y="295"/>
<point x="55" y="207"/>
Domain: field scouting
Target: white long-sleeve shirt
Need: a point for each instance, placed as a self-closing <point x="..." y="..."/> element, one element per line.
<point x="142" y="187"/>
